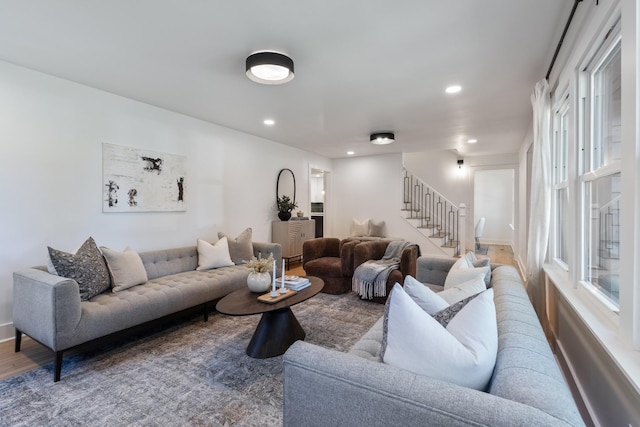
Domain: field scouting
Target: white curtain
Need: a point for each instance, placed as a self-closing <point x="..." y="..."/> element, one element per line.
<point x="540" y="203"/>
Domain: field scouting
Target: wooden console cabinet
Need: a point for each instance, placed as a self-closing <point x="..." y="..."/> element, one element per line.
<point x="291" y="235"/>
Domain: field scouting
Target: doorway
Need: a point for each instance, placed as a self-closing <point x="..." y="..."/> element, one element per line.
<point x="318" y="185"/>
<point x="494" y="200"/>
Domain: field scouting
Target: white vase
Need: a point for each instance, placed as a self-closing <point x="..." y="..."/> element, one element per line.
<point x="259" y="282"/>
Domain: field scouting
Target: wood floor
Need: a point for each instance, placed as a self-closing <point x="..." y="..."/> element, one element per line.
<point x="33" y="355"/>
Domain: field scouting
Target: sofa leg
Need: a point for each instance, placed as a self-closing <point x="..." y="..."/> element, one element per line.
<point x="206" y="312"/>
<point x="18" y="340"/>
<point x="57" y="367"/>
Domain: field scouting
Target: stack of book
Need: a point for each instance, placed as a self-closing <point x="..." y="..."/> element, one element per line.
<point x="295" y="282"/>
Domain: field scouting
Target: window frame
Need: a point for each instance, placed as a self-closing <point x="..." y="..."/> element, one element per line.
<point x="586" y="173"/>
<point x="560" y="179"/>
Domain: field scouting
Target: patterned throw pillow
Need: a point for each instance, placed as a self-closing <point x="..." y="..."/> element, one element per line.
<point x="86" y="267"/>
<point x="444" y="316"/>
<point x="240" y="248"/>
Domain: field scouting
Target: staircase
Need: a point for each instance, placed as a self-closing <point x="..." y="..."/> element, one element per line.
<point x="431" y="214"/>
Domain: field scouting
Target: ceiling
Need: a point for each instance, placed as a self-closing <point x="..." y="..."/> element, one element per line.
<point x="360" y="65"/>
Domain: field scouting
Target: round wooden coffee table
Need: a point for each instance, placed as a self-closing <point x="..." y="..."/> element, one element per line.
<point x="278" y="327"/>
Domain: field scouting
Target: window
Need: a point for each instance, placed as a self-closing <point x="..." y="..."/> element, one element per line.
<point x="601" y="174"/>
<point x="560" y="182"/>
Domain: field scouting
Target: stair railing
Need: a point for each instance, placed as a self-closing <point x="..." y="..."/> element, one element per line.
<point x="431" y="208"/>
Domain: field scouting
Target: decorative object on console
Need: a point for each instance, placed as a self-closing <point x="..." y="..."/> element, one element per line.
<point x="86" y="266"/>
<point x="300" y="214"/>
<point x="285" y="206"/>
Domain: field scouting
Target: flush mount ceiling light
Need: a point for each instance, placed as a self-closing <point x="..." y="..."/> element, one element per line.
<point x="453" y="89"/>
<point x="472" y="141"/>
<point x="382" y="138"/>
<point x="269" y="68"/>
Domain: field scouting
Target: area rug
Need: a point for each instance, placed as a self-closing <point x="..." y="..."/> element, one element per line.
<point x="192" y="373"/>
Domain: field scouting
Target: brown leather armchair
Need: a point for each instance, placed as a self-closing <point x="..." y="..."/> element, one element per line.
<point x="366" y="251"/>
<point x="330" y="259"/>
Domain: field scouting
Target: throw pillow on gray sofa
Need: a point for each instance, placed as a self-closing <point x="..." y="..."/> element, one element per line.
<point x="86" y="266"/>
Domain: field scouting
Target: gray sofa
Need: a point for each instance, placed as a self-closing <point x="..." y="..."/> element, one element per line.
<point x="48" y="309"/>
<point x="328" y="388"/>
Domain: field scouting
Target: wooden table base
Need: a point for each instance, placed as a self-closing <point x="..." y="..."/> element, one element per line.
<point x="274" y="334"/>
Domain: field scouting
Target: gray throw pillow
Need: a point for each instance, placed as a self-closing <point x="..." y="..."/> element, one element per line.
<point x="86" y="267"/>
<point x="485" y="262"/>
<point x="240" y="248"/>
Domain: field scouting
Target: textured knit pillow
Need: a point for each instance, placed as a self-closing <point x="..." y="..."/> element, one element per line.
<point x="86" y="267"/>
<point x="213" y="256"/>
<point x="463" y="353"/>
<point x="240" y="248"/>
<point x="125" y="267"/>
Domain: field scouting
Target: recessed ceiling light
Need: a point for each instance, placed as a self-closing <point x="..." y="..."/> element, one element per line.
<point x="269" y="122"/>
<point x="472" y="141"/>
<point x="350" y="153"/>
<point x="453" y="89"/>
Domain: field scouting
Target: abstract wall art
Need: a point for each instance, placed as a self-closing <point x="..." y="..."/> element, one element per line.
<point x="139" y="180"/>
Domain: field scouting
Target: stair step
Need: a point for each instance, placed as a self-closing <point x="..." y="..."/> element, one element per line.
<point x="441" y="235"/>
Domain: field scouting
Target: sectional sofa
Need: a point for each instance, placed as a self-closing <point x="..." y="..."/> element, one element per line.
<point x="328" y="388"/>
<point x="48" y="308"/>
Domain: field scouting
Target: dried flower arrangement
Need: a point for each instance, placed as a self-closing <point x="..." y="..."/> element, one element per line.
<point x="260" y="265"/>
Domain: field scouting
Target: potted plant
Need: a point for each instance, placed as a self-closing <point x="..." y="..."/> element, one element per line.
<point x="259" y="280"/>
<point x="285" y="206"/>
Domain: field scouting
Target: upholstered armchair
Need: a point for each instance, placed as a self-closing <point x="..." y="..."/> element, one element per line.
<point x="330" y="259"/>
<point x="366" y="251"/>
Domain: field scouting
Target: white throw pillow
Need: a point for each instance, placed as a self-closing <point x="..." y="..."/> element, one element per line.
<point x="464" y="353"/>
<point x="463" y="290"/>
<point x="462" y="262"/>
<point x="471" y="258"/>
<point x="126" y="268"/>
<point x="428" y="300"/>
<point x="458" y="276"/>
<point x="359" y="229"/>
<point x="213" y="256"/>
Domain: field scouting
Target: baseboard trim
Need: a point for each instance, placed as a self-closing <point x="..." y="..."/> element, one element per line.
<point x="7" y="332"/>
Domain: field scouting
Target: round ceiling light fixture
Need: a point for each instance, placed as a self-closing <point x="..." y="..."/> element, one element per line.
<point x="453" y="89"/>
<point x="269" y="68"/>
<point x="382" y="138"/>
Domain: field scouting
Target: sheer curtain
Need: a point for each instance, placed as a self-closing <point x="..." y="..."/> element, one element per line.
<point x="540" y="203"/>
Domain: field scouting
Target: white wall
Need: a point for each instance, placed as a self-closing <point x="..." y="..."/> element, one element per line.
<point x="51" y="135"/>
